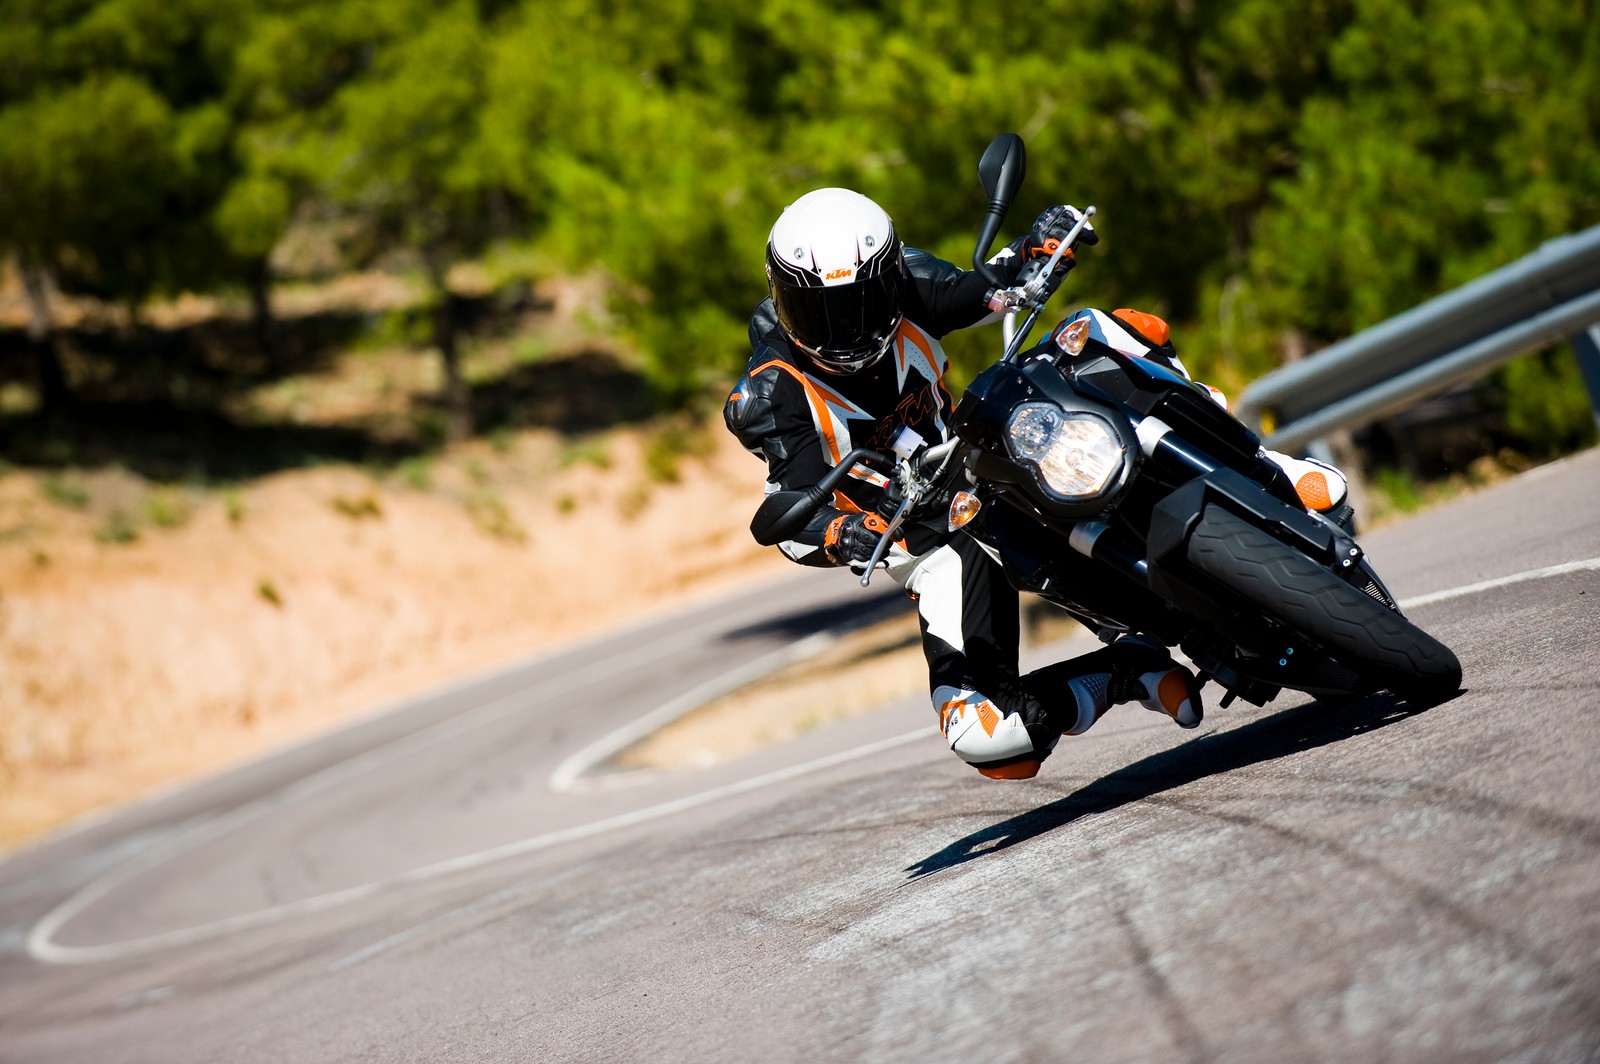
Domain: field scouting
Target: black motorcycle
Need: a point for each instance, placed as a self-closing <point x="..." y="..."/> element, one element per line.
<point x="1119" y="490"/>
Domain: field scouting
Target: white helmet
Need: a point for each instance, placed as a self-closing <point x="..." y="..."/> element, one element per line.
<point x="834" y="268"/>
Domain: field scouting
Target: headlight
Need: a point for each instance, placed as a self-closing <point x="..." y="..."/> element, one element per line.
<point x="1076" y="454"/>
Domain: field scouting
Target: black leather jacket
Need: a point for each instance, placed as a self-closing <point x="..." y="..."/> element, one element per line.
<point x="802" y="420"/>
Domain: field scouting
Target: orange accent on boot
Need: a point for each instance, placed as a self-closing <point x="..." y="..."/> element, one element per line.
<point x="1313" y="490"/>
<point x="950" y="709"/>
<point x="1173" y="691"/>
<point x="1148" y="326"/>
<point x="1017" y="770"/>
<point x="988" y="717"/>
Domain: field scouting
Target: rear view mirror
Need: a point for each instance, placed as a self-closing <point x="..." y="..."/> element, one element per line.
<point x="780" y="516"/>
<point x="1004" y="164"/>
<point x="1001" y="170"/>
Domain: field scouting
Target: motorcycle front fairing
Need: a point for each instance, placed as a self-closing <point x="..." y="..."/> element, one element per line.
<point x="1126" y="571"/>
<point x="1030" y="533"/>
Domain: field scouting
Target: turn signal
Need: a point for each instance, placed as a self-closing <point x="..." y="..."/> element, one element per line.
<point x="1072" y="336"/>
<point x="964" y="506"/>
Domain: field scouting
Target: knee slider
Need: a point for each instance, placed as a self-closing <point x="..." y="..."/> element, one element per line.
<point x="978" y="731"/>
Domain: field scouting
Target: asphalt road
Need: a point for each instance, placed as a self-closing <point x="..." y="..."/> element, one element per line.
<point x="460" y="879"/>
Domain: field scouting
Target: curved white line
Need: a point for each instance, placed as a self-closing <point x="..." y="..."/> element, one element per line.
<point x="40" y="942"/>
<point x="43" y="949"/>
<point x="569" y="776"/>
<point x="39" y="939"/>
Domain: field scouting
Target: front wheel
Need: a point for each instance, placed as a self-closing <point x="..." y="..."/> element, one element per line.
<point x="1363" y="634"/>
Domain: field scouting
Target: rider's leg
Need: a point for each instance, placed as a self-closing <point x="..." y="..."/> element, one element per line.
<point x="1133" y="669"/>
<point x="1005" y="726"/>
<point x="970" y="634"/>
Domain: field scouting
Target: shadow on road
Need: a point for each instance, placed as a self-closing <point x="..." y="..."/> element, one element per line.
<point x="1291" y="731"/>
<point x="867" y="609"/>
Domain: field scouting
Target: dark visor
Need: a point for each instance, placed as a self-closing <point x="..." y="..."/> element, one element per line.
<point x="847" y="320"/>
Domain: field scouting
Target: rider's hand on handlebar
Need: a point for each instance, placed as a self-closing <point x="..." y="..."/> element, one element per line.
<point x="1052" y="227"/>
<point x="851" y="538"/>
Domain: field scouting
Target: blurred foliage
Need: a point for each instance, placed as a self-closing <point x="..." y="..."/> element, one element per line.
<point x="1269" y="176"/>
<point x="1546" y="406"/>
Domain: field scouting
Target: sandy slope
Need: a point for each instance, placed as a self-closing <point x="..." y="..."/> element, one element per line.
<point x="314" y="595"/>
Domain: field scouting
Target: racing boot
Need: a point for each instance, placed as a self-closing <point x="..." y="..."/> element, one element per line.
<point x="1321" y="488"/>
<point x="1167" y="687"/>
<point x="1133" y="669"/>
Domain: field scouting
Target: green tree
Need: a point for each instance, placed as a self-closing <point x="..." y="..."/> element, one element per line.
<point x="1450" y="139"/>
<point x="113" y="147"/>
<point x="626" y="132"/>
<point x="82" y="174"/>
<point x="381" y="118"/>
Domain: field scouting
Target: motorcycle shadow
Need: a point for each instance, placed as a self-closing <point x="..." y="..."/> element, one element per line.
<point x="1291" y="731"/>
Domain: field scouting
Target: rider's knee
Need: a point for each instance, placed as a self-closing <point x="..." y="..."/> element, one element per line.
<point x="998" y="743"/>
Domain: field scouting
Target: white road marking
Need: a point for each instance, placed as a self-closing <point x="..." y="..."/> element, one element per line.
<point x="1499" y="582"/>
<point x="625" y="659"/>
<point x="728" y="618"/>
<point x="42" y="947"/>
<point x="569" y="775"/>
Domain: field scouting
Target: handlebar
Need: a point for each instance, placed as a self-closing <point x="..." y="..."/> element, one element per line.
<point x="784" y="513"/>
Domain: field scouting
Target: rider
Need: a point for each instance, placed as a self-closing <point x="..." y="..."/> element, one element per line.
<point x="845" y="353"/>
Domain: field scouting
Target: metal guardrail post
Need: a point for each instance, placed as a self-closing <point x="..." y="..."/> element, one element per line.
<point x="1586" y="345"/>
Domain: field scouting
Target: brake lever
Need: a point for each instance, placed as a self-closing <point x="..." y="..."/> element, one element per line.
<point x="1036" y="292"/>
<point x="1036" y="287"/>
<point x="887" y="539"/>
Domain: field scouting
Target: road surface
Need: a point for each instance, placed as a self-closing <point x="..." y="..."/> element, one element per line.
<point x="460" y="879"/>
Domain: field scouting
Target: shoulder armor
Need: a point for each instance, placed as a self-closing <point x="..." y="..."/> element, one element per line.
<point x="749" y="413"/>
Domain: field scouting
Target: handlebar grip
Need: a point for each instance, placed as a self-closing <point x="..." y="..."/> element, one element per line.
<point x="783" y="514"/>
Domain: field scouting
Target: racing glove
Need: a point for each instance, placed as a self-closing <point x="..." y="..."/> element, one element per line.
<point x="1050" y="229"/>
<point x="851" y="538"/>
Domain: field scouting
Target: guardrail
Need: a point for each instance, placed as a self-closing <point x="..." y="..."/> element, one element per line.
<point x="1550" y="294"/>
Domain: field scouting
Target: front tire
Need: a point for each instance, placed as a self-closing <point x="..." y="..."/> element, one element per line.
<point x="1362" y="633"/>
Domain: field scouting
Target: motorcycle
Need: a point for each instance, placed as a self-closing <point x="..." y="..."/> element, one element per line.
<point x="1119" y="490"/>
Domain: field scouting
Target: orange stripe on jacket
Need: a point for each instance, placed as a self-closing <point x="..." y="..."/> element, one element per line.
<point x="819" y="406"/>
<point x="920" y="339"/>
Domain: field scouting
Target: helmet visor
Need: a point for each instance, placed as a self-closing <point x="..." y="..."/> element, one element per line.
<point x="845" y="324"/>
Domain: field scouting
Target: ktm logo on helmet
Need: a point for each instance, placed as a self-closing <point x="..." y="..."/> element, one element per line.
<point x="834" y="275"/>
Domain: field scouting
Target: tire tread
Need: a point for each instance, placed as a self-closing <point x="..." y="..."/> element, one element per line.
<point x="1344" y="620"/>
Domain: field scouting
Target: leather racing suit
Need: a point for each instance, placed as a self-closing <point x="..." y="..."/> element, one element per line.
<point x="802" y="420"/>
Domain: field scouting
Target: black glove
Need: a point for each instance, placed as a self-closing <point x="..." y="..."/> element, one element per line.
<point x="1050" y="229"/>
<point x="851" y="538"/>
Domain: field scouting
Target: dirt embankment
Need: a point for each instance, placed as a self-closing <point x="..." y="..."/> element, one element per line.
<point x="269" y="612"/>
